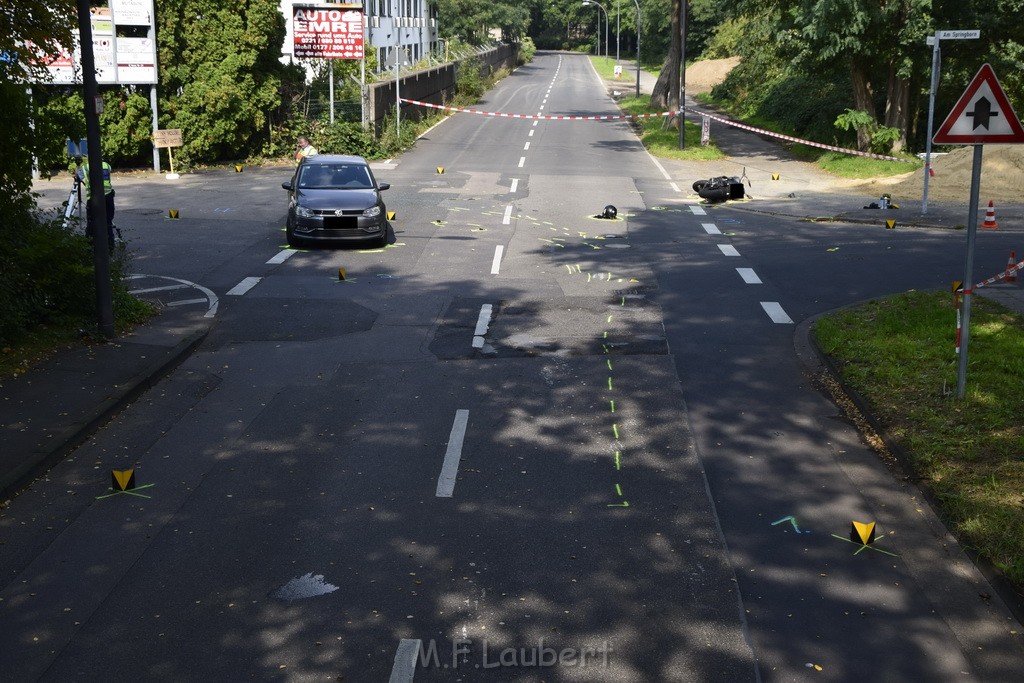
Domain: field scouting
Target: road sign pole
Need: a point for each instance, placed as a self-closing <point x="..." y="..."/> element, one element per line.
<point x="935" y="41"/>
<point x="931" y="119"/>
<point x="972" y="231"/>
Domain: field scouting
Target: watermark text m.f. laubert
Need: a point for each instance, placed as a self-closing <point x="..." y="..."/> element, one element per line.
<point x="466" y="653"/>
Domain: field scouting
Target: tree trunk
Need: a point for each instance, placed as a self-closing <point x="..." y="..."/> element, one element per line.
<point x="897" y="107"/>
<point x="863" y="99"/>
<point x="666" y="91"/>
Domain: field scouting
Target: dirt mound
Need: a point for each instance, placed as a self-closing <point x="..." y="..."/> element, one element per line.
<point x="702" y="76"/>
<point x="1002" y="174"/>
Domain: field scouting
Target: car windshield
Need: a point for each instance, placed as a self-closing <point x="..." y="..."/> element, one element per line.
<point x="335" y="177"/>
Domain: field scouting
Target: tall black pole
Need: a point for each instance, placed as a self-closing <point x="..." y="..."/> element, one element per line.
<point x="97" y="201"/>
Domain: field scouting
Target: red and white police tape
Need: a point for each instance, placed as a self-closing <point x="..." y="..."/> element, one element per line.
<point x="727" y="122"/>
<point x="540" y="117"/>
<point x="1019" y="268"/>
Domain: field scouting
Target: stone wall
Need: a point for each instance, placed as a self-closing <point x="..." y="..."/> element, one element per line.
<point x="435" y="85"/>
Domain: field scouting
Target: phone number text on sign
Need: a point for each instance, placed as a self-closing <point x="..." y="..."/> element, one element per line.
<point x="327" y="33"/>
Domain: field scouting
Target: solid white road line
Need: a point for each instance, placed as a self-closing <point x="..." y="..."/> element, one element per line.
<point x="711" y="228"/>
<point x="450" y="468"/>
<point x="280" y="257"/>
<point x="522" y="161"/>
<point x="185" y="302"/>
<point x="728" y="250"/>
<point x="210" y="296"/>
<point x="483" y="320"/>
<point x="674" y="187"/>
<point x="749" y="276"/>
<point x="496" y="263"/>
<point x="697" y="210"/>
<point x="775" y="312"/>
<point x="515" y="186"/>
<point x="660" y="167"/>
<point x="156" y="289"/>
<point x="507" y="218"/>
<point x="244" y="286"/>
<point x="405" y="661"/>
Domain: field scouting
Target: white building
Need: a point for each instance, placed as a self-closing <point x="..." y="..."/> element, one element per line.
<point x="408" y="24"/>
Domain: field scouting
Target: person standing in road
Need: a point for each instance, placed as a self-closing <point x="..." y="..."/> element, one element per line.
<point x="304" y="149"/>
<point x="108" y="195"/>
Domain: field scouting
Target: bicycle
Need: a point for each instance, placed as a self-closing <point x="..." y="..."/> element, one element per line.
<point x="73" y="214"/>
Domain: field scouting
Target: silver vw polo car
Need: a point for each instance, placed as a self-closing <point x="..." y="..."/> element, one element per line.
<point x="335" y="199"/>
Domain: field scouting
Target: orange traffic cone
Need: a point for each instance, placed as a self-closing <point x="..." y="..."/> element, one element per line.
<point x="1011" y="273"/>
<point x="990" y="218"/>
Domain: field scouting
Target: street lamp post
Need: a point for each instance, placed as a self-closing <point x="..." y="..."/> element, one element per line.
<point x="616" y="31"/>
<point x="637" y="3"/>
<point x="591" y="3"/>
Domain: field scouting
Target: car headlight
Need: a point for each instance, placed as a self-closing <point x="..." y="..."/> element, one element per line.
<point x="371" y="212"/>
<point x="303" y="212"/>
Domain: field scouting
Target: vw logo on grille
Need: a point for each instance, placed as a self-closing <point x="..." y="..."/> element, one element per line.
<point x="339" y="212"/>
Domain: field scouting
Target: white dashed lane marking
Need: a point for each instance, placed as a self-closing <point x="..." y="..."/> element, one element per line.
<point x="728" y="250"/>
<point x="450" y="467"/>
<point x="711" y="228"/>
<point x="698" y="211"/>
<point x="775" y="312"/>
<point x="749" y="276"/>
<point x="244" y="286"/>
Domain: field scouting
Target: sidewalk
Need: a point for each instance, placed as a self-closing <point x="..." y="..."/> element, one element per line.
<point x="59" y="403"/>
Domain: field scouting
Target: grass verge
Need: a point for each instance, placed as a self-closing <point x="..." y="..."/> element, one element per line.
<point x="659" y="140"/>
<point x="897" y="353"/>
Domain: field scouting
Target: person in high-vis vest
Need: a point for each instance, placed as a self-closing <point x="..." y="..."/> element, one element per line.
<point x="108" y="195"/>
<point x="304" y="149"/>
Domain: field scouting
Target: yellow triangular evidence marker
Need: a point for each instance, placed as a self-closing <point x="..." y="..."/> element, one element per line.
<point x="172" y="213"/>
<point x="122" y="480"/>
<point x="775" y="176"/>
<point x="863" y="532"/>
<point x="440" y="170"/>
<point x="890" y="224"/>
<point x="341" y="273"/>
<point x="391" y="215"/>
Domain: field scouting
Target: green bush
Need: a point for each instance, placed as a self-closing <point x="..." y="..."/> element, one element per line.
<point x="527" y="49"/>
<point x="47" y="275"/>
<point x="469" y="79"/>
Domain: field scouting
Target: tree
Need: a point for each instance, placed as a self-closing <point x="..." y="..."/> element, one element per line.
<point x="45" y="26"/>
<point x="472" y="20"/>
<point x="665" y="94"/>
<point x="221" y="74"/>
<point x="48" y="27"/>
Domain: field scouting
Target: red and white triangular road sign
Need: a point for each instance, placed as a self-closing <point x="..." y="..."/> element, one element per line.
<point x="981" y="116"/>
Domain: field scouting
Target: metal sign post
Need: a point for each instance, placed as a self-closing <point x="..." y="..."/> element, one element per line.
<point x="934" y="41"/>
<point x="982" y="115"/>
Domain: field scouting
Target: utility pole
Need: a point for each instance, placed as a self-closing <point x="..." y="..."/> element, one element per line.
<point x="97" y="201"/>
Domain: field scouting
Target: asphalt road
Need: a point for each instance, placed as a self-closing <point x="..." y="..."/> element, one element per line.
<point x="518" y="434"/>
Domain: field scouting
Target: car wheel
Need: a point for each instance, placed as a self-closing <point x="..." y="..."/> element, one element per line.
<point x="293" y="241"/>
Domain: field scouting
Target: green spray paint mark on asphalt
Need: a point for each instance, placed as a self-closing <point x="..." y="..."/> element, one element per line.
<point x="615" y="431"/>
<point x="613" y="405"/>
<point x="618" y="460"/>
<point x="618" y="490"/>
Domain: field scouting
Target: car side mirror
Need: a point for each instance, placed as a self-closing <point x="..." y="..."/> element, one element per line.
<point x="383" y="186"/>
<point x="287" y="186"/>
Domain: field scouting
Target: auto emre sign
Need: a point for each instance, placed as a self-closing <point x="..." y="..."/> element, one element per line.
<point x="334" y="32"/>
